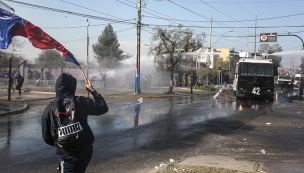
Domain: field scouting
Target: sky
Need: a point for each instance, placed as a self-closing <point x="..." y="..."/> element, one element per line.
<point x="237" y="16"/>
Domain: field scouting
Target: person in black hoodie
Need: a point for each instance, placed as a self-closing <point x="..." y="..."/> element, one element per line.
<point x="20" y="81"/>
<point x="74" y="160"/>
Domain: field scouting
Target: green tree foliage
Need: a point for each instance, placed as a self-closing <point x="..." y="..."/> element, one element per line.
<point x="50" y="58"/>
<point x="168" y="46"/>
<point x="107" y="48"/>
<point x="266" y="48"/>
<point x="4" y="61"/>
<point x="211" y="73"/>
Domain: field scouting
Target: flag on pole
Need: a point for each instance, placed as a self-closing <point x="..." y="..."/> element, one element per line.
<point x="12" y="25"/>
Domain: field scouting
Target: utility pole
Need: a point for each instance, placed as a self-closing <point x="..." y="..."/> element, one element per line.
<point x="10" y="79"/>
<point x="255" y="37"/>
<point x="88" y="52"/>
<point x="137" y="68"/>
<point x="191" y="92"/>
<point x="301" y="80"/>
<point x="209" y="46"/>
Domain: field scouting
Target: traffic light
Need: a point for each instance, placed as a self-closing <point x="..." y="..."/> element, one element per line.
<point x="88" y="41"/>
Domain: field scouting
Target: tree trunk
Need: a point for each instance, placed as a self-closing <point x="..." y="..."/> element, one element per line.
<point x="41" y="75"/>
<point x="171" y="82"/>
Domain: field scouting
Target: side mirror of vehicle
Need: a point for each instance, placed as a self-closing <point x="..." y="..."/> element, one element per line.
<point x="275" y="70"/>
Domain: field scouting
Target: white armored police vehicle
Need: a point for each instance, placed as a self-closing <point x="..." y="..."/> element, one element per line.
<point x="254" y="76"/>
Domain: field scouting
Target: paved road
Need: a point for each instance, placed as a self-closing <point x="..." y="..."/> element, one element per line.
<point x="164" y="128"/>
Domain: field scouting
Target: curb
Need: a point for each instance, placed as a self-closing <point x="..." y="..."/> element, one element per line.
<point x="39" y="92"/>
<point x="15" y="111"/>
<point x="137" y="97"/>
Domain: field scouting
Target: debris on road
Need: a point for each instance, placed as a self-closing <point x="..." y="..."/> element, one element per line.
<point x="161" y="165"/>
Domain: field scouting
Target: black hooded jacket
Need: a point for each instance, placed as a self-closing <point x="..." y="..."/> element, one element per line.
<point x="66" y="86"/>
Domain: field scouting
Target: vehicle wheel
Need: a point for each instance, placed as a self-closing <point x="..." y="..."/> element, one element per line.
<point x="270" y="98"/>
<point x="236" y="94"/>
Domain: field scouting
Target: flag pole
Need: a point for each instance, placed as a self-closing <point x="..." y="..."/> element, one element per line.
<point x="88" y="51"/>
<point x="84" y="76"/>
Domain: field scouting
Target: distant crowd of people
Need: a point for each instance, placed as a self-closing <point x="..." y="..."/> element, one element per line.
<point x="35" y="77"/>
<point x="14" y="75"/>
<point x="5" y="73"/>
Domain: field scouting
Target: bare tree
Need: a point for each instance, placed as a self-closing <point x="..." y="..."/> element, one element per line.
<point x="266" y="48"/>
<point x="168" y="46"/>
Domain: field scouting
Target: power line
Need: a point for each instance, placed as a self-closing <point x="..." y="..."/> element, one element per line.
<point x="95" y="11"/>
<point x="165" y="15"/>
<point x="72" y="13"/>
<point x="222" y="21"/>
<point x="294" y="26"/>
<point x="152" y="11"/>
<point x="256" y="2"/>
<point x="196" y="13"/>
<point x="89" y="9"/>
<point x="222" y="12"/>
<point x="71" y="27"/>
<point x="83" y="39"/>
<point x="241" y="7"/>
<point x="169" y="16"/>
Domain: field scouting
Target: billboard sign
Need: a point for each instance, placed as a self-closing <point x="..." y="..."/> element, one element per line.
<point x="269" y="37"/>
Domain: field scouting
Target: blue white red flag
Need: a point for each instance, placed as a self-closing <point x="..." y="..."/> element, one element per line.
<point x="12" y="25"/>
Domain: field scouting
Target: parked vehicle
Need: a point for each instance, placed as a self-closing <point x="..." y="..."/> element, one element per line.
<point x="296" y="80"/>
<point x="285" y="81"/>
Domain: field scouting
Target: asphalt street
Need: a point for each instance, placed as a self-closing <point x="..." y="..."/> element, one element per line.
<point x="136" y="135"/>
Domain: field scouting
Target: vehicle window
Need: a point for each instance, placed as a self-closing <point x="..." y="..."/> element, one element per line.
<point x="236" y="69"/>
<point x="261" y="70"/>
<point x="251" y="69"/>
<point x="244" y="69"/>
<point x="269" y="69"/>
<point x="285" y="77"/>
<point x="297" y="78"/>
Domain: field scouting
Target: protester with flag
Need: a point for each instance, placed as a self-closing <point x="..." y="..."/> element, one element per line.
<point x="12" y="25"/>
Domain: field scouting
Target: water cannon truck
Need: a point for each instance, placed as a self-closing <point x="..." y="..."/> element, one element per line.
<point x="254" y="76"/>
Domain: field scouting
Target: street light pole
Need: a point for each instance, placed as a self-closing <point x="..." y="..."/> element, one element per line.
<point x="219" y="83"/>
<point x="221" y="37"/>
<point x="229" y="71"/>
<point x="302" y="59"/>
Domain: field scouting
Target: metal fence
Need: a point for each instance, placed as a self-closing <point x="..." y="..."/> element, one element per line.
<point x="47" y="85"/>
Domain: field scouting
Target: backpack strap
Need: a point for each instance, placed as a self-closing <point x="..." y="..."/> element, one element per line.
<point x="65" y="113"/>
<point x="53" y="126"/>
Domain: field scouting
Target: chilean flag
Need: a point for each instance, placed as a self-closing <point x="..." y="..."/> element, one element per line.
<point x="12" y="25"/>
